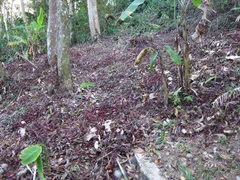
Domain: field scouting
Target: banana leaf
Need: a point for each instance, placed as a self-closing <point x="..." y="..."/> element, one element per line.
<point x="131" y="8"/>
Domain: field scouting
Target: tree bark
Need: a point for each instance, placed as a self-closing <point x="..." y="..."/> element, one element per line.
<point x="52" y="33"/>
<point x="63" y="61"/>
<point x="93" y="18"/>
<point x="23" y="12"/>
<point x="186" y="50"/>
<point x="73" y="26"/>
<point x="2" y="70"/>
<point x="4" y="14"/>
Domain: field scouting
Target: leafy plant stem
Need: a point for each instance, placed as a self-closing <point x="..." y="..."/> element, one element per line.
<point x="186" y="47"/>
<point x="164" y="80"/>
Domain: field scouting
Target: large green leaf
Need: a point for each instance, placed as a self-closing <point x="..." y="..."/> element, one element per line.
<point x="30" y="154"/>
<point x="176" y="59"/>
<point x="196" y="2"/>
<point x="40" y="19"/>
<point x="152" y="59"/>
<point x="131" y="8"/>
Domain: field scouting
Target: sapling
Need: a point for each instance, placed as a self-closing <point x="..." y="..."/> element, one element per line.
<point x="30" y="37"/>
<point x="153" y="56"/>
<point x="32" y="154"/>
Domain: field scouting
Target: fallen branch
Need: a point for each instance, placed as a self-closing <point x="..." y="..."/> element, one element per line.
<point x="122" y="170"/>
<point x="18" y="54"/>
<point x="104" y="156"/>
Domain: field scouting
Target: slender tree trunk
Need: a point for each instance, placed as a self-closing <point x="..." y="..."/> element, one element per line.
<point x="2" y="73"/>
<point x="74" y="27"/>
<point x="12" y="19"/>
<point x="164" y="79"/>
<point x="23" y="12"/>
<point x="186" y="51"/>
<point x="52" y="33"/>
<point x="2" y="70"/>
<point x="1" y="22"/>
<point x="4" y="13"/>
<point x="93" y="18"/>
<point x="63" y="61"/>
<point x="184" y="6"/>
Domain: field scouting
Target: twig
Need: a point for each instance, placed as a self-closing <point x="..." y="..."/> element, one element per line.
<point x="19" y="95"/>
<point x="195" y="92"/>
<point x="122" y="170"/>
<point x="104" y="156"/>
<point x="26" y="60"/>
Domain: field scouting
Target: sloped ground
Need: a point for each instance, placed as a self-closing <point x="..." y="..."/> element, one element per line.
<point x="188" y="136"/>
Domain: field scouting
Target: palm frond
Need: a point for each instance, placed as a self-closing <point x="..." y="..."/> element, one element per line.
<point x="226" y="97"/>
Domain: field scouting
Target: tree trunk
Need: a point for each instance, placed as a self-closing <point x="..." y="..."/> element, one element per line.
<point x="2" y="70"/>
<point x="4" y="14"/>
<point x="12" y="19"/>
<point x="186" y="52"/>
<point x="52" y="33"/>
<point x="2" y="73"/>
<point x="23" y="13"/>
<point x="63" y="62"/>
<point x="74" y="26"/>
<point x="93" y="18"/>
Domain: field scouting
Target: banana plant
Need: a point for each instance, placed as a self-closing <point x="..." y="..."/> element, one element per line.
<point x="130" y="9"/>
<point x="30" y="38"/>
<point x="134" y="5"/>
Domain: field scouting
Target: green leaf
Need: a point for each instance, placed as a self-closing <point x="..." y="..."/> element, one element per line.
<point x="210" y="79"/>
<point x="13" y="43"/>
<point x="130" y="9"/>
<point x="86" y="84"/>
<point x="187" y="174"/>
<point x="236" y="8"/>
<point x="152" y="59"/>
<point x="40" y="167"/>
<point x="176" y="59"/>
<point x="40" y="19"/>
<point x="196" y="2"/>
<point x="30" y="154"/>
<point x="20" y="27"/>
<point x="19" y="40"/>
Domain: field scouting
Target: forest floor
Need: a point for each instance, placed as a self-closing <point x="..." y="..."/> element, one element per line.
<point x="87" y="131"/>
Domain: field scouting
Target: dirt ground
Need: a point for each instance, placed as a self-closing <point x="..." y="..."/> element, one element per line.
<point x="86" y="131"/>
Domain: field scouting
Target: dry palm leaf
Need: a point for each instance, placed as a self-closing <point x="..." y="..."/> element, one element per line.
<point x="220" y="100"/>
<point x="141" y="55"/>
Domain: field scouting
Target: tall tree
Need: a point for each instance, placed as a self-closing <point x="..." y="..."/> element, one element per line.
<point x="52" y="33"/>
<point x="63" y="61"/>
<point x="2" y="70"/>
<point x="4" y="15"/>
<point x="58" y="40"/>
<point x="93" y="18"/>
<point x="23" y="12"/>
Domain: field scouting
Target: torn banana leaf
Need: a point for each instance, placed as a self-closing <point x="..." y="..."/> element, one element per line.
<point x="131" y="8"/>
<point x="141" y="55"/>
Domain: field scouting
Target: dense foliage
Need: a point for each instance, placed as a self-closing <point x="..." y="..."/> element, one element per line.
<point x="152" y="15"/>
